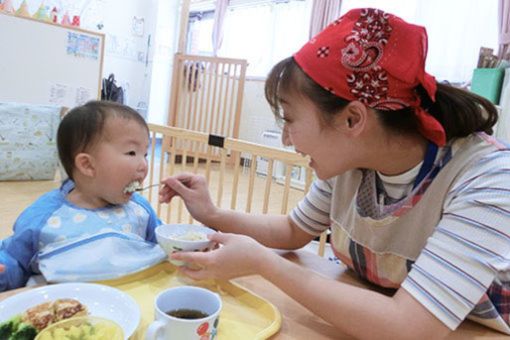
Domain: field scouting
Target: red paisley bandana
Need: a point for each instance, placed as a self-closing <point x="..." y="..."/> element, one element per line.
<point x="376" y="58"/>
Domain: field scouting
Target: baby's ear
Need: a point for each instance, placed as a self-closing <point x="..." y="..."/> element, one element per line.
<point x="83" y="163"/>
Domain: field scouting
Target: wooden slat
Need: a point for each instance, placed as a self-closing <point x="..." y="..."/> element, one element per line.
<point x="269" y="181"/>
<point x="221" y="177"/>
<point x="285" y="200"/>
<point x="235" y="181"/>
<point x="251" y="181"/>
<point x="151" y="165"/>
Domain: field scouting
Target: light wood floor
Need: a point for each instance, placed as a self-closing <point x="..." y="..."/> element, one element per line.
<point x="15" y="197"/>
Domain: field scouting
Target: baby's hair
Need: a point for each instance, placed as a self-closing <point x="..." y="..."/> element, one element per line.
<point x="83" y="125"/>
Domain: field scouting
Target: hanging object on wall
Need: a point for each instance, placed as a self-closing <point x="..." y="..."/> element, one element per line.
<point x="42" y="13"/>
<point x="7" y="7"/>
<point x="54" y="15"/>
<point x="138" y="26"/>
<point x="66" y="21"/>
<point x="76" y="21"/>
<point x="23" y="9"/>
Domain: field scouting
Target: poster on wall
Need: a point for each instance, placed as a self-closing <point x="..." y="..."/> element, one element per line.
<point x="82" y="45"/>
<point x="69" y="96"/>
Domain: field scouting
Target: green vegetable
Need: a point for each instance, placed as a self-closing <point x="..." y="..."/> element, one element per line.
<point x="24" y="332"/>
<point x="15" y="329"/>
<point x="8" y="327"/>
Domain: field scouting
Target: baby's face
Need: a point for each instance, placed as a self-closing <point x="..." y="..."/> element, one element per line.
<point x="120" y="159"/>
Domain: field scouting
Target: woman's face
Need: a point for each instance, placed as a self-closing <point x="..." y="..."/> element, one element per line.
<point x="304" y="129"/>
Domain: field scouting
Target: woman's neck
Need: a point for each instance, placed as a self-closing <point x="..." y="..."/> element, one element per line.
<point x="398" y="155"/>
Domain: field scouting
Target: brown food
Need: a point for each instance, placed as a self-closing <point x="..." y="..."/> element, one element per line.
<point x="39" y="316"/>
<point x="66" y="308"/>
<point x="44" y="314"/>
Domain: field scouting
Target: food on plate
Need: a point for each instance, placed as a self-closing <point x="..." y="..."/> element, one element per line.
<point x="16" y="329"/>
<point x="26" y="325"/>
<point x="191" y="236"/>
<point x="66" y="308"/>
<point x="83" y="330"/>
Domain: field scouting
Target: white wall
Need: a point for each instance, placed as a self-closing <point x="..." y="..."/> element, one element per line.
<point x="127" y="52"/>
<point x="165" y="46"/>
<point x="256" y="115"/>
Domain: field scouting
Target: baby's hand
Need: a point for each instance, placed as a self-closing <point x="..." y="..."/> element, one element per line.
<point x="2" y="268"/>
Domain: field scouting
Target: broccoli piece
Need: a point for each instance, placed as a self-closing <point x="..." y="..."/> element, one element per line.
<point x="8" y="327"/>
<point x="24" y="332"/>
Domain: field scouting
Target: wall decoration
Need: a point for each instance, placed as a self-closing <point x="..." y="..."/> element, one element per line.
<point x="23" y="9"/>
<point x="66" y="20"/>
<point x="82" y="45"/>
<point x="42" y="13"/>
<point x="54" y="15"/>
<point x="7" y="7"/>
<point x="138" y="26"/>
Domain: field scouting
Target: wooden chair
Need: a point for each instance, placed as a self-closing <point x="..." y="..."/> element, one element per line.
<point x="243" y="178"/>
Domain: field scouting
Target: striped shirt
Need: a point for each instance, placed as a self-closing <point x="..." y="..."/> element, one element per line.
<point x="447" y="242"/>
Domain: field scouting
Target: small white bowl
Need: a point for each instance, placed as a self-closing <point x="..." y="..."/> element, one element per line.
<point x="172" y="238"/>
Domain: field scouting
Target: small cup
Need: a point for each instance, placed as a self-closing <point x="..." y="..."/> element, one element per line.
<point x="197" y="311"/>
<point x="183" y="237"/>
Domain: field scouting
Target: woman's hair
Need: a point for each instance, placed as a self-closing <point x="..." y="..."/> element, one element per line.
<point x="460" y="112"/>
<point x="83" y="126"/>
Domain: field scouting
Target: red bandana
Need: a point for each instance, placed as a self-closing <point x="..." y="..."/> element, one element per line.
<point x="376" y="58"/>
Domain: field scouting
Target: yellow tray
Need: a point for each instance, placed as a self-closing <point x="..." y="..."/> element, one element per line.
<point x="244" y="314"/>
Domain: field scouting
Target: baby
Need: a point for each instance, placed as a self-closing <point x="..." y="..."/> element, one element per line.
<point x="94" y="227"/>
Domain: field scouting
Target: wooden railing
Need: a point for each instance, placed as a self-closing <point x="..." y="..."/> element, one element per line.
<point x="235" y="181"/>
<point x="207" y="95"/>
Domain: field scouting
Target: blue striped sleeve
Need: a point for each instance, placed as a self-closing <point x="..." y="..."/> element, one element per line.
<point x="470" y="248"/>
<point x="312" y="212"/>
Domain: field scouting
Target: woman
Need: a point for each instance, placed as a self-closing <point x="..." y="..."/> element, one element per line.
<point x="412" y="186"/>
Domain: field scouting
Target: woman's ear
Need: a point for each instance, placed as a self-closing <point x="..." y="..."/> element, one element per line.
<point x="84" y="164"/>
<point x="354" y="117"/>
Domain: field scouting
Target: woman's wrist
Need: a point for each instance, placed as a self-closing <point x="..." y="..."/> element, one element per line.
<point x="267" y="262"/>
<point x="215" y="218"/>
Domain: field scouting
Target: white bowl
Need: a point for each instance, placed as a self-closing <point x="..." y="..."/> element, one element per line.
<point x="172" y="238"/>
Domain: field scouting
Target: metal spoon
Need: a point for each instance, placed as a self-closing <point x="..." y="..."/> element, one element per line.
<point x="147" y="187"/>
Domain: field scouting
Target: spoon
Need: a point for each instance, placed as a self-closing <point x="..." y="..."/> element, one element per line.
<point x="147" y="187"/>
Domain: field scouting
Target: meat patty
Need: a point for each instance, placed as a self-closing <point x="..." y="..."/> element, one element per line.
<point x="66" y="308"/>
<point x="44" y="314"/>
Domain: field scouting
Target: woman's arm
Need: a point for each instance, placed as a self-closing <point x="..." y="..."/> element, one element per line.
<point x="274" y="231"/>
<point x="356" y="311"/>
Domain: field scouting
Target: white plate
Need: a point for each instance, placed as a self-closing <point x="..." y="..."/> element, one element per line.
<point x="100" y="300"/>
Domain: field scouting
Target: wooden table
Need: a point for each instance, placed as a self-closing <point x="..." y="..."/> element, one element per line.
<point x="299" y="323"/>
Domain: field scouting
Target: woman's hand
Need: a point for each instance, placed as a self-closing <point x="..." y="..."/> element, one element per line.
<point x="2" y="268"/>
<point x="193" y="190"/>
<point x="238" y="255"/>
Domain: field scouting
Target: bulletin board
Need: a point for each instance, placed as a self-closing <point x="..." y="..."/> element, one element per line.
<point x="48" y="64"/>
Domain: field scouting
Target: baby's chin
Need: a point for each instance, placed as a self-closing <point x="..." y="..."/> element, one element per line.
<point x="119" y="200"/>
